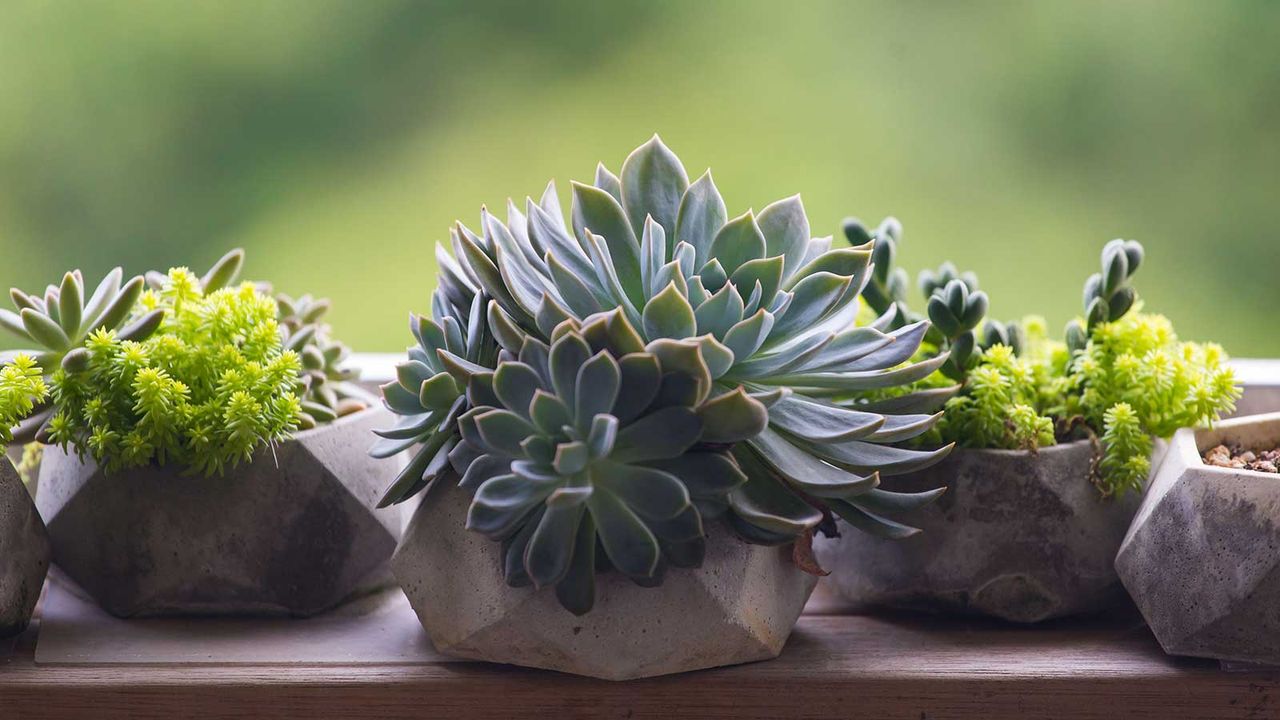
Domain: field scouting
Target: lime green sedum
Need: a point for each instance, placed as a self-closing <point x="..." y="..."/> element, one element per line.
<point x="210" y="386"/>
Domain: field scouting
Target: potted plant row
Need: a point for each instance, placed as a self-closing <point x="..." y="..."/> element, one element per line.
<point x="202" y="445"/>
<point x="1054" y="444"/>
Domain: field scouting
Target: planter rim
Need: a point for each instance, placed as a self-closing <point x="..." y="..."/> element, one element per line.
<point x="1203" y="438"/>
<point x="1003" y="452"/>
<point x="293" y="438"/>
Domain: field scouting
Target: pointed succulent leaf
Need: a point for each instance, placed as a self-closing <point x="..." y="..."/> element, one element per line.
<point x="503" y="431"/>
<point x="786" y="231"/>
<point x="548" y="557"/>
<point x="871" y="523"/>
<point x="685" y="357"/>
<point x="571" y="457"/>
<point x="705" y="474"/>
<point x="822" y="422"/>
<point x="640" y="376"/>
<point x="766" y="272"/>
<point x="739" y="241"/>
<point x="653" y="183"/>
<point x="44" y="330"/>
<point x="596" y="211"/>
<point x="608" y="182"/>
<point x="732" y="417"/>
<point x="653" y="494"/>
<point x="702" y="214"/>
<point x="515" y="384"/>
<point x="805" y="471"/>
<point x="630" y="545"/>
<point x="596" y="389"/>
<point x="224" y="271"/>
<point x="668" y="315"/>
<point x="576" y="590"/>
<point x="70" y="305"/>
<point x="666" y="433"/>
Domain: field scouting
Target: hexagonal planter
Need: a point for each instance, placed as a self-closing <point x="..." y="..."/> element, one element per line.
<point x="1018" y="536"/>
<point x="740" y="606"/>
<point x="24" y="552"/>
<point x="293" y="532"/>
<point x="1202" y="559"/>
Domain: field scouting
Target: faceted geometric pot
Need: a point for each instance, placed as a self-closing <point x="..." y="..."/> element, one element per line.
<point x="1202" y="559"/>
<point x="24" y="552"/>
<point x="740" y="606"/>
<point x="1019" y="536"/>
<point x="293" y="532"/>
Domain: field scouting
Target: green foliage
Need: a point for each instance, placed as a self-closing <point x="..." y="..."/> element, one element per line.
<point x="328" y="384"/>
<point x="579" y="456"/>
<point x="1121" y="376"/>
<point x="1135" y="377"/>
<point x="209" y="387"/>
<point x="999" y="405"/>
<point x="21" y="387"/>
<point x="747" y="325"/>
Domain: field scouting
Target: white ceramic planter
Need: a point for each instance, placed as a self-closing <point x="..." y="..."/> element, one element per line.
<point x="740" y="606"/>
<point x="24" y="552"/>
<point x="1018" y="536"/>
<point x="293" y="532"/>
<point x="1202" y="559"/>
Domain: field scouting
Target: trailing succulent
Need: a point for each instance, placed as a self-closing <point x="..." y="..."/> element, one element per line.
<point x="172" y="368"/>
<point x="1121" y="375"/>
<point x="749" y="321"/>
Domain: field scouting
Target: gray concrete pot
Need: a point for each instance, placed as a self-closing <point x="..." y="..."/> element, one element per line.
<point x="24" y="552"/>
<point x="292" y="533"/>
<point x="1202" y="558"/>
<point x="1018" y="536"/>
<point x="740" y="606"/>
<point x="1260" y="381"/>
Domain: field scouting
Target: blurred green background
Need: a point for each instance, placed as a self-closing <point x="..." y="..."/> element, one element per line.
<point x="337" y="141"/>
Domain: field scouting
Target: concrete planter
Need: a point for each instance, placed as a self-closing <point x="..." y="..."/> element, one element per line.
<point x="24" y="552"/>
<point x="1018" y="536"/>
<point x="1260" y="381"/>
<point x="292" y="533"/>
<point x="1202" y="560"/>
<point x="740" y="606"/>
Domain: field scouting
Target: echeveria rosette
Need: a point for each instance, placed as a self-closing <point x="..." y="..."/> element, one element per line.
<point x="588" y="454"/>
<point x="757" y="302"/>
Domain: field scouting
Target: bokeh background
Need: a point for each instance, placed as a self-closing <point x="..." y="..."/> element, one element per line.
<point x="337" y="141"/>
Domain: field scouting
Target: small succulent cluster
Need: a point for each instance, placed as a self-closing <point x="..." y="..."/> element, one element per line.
<point x="328" y="385"/>
<point x="169" y="368"/>
<point x="1121" y="375"/>
<point x="745" y="327"/>
<point x="21" y="387"/>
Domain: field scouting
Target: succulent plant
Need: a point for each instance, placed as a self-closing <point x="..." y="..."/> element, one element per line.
<point x="1121" y="377"/>
<point x="752" y="307"/>
<point x="426" y="394"/>
<point x="584" y="455"/>
<point x="62" y="319"/>
<point x="1108" y="294"/>
<point x="210" y="386"/>
<point x="328" y="385"/>
<point x="885" y="291"/>
<point x="325" y="385"/>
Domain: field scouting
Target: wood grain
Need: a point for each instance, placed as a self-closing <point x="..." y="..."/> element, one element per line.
<point x="835" y="666"/>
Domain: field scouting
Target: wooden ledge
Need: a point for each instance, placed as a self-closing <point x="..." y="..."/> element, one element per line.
<point x="834" y="666"/>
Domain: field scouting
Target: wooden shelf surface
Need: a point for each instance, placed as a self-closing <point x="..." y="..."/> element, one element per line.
<point x="835" y="666"/>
